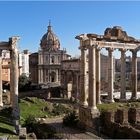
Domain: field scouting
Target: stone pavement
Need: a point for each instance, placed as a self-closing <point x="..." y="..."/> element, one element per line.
<point x="67" y="132"/>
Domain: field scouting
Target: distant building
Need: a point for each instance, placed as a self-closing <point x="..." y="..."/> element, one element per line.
<point x="70" y="75"/>
<point x="6" y="66"/>
<point x="33" y="67"/>
<point x="6" y="61"/>
<point x="24" y="62"/>
<point x="49" y="58"/>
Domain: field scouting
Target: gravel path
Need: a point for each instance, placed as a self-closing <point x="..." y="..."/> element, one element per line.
<point x="67" y="132"/>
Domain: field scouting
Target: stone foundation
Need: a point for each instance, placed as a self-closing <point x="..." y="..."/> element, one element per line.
<point x="121" y="124"/>
<point x="88" y="117"/>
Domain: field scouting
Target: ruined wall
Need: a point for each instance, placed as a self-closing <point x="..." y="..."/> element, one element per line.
<point x="121" y="124"/>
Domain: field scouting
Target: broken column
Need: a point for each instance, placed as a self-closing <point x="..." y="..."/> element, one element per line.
<point x="14" y="81"/>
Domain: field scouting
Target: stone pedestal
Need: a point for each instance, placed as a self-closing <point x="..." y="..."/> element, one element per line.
<point x="109" y="117"/>
<point x="88" y="116"/>
<point x="22" y="133"/>
<point x="134" y="115"/>
<point x="121" y="116"/>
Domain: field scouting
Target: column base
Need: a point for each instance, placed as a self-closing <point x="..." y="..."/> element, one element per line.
<point x="133" y="98"/>
<point x="88" y="116"/>
<point x="84" y="104"/>
<point x="122" y="100"/>
<point x="109" y="101"/>
<point x="99" y="102"/>
<point x="1" y="104"/>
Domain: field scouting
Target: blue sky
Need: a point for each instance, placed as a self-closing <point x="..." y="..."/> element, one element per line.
<point x="29" y="20"/>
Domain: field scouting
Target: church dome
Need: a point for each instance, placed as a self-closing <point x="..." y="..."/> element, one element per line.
<point x="50" y="41"/>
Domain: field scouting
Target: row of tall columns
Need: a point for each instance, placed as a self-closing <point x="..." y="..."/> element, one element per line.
<point x="93" y="91"/>
<point x="123" y="75"/>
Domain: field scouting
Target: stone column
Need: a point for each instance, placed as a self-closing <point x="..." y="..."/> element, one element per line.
<point x="38" y="75"/>
<point x="110" y="76"/>
<point x="77" y="85"/>
<point x="98" y="77"/>
<point x="134" y="75"/>
<point x="14" y="81"/>
<point x="92" y="78"/>
<point x="1" y="90"/>
<point x="123" y="75"/>
<point x="83" y="91"/>
<point x="41" y="75"/>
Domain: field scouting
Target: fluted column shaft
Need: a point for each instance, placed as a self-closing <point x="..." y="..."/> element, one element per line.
<point x="83" y="77"/>
<point x="110" y="76"/>
<point x="98" y="77"/>
<point x="1" y="90"/>
<point x="134" y="75"/>
<point x="92" y="78"/>
<point x="123" y="74"/>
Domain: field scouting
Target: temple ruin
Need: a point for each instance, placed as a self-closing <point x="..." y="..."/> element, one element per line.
<point x="113" y="38"/>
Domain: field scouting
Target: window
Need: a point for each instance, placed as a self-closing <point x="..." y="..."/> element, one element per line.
<point x="52" y="59"/>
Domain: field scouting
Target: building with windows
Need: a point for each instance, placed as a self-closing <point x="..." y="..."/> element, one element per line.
<point x="49" y="58"/>
<point x="33" y="67"/>
<point x="24" y="62"/>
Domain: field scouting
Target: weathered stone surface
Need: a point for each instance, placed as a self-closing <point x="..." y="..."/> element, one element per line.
<point x="121" y="116"/>
<point x="134" y="115"/>
<point x="109" y="116"/>
<point x="22" y="133"/>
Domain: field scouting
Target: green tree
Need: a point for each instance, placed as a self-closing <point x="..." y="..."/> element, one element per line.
<point x="24" y="82"/>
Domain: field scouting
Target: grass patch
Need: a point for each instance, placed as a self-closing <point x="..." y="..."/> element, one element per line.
<point x="117" y="105"/>
<point x="6" y="126"/>
<point x="32" y="106"/>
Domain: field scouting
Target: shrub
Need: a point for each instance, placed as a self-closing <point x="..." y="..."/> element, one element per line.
<point x="30" y="123"/>
<point x="71" y="119"/>
<point x="59" y="109"/>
